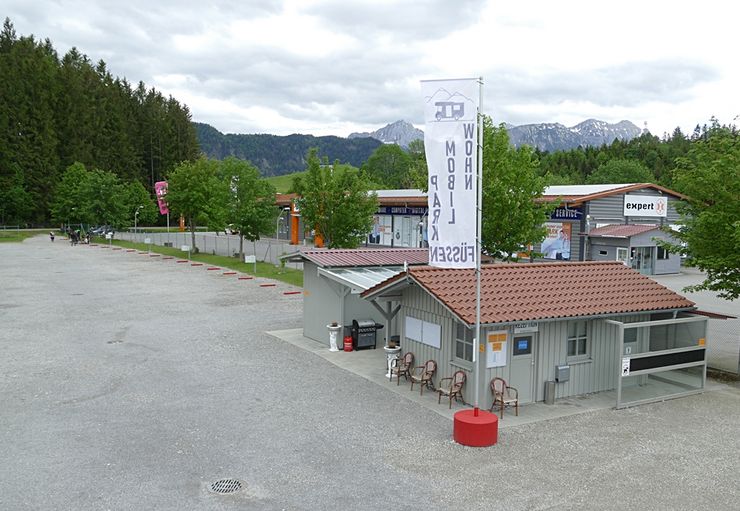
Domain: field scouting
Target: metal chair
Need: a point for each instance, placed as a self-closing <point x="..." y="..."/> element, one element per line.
<point x="504" y="395"/>
<point x="423" y="375"/>
<point x="453" y="387"/>
<point x="402" y="366"/>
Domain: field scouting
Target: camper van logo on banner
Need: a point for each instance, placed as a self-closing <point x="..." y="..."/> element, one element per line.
<point x="451" y="144"/>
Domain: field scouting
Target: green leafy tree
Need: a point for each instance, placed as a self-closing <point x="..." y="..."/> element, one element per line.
<point x="137" y="197"/>
<point x="388" y="166"/>
<point x="418" y="171"/>
<point x="106" y="199"/>
<point x="196" y="192"/>
<point x="512" y="216"/>
<point x="70" y="195"/>
<point x="621" y="171"/>
<point x="251" y="200"/>
<point x="710" y="233"/>
<point x="335" y="201"/>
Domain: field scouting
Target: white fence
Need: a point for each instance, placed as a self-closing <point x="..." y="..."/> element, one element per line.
<point x="266" y="250"/>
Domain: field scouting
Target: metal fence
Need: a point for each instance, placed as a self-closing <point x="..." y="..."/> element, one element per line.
<point x="266" y="250"/>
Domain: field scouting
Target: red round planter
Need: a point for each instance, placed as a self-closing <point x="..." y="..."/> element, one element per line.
<point x="475" y="430"/>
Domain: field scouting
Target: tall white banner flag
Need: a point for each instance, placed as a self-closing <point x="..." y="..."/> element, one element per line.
<point x="450" y="142"/>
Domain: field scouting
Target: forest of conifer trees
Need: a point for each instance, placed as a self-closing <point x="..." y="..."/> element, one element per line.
<point x="57" y="111"/>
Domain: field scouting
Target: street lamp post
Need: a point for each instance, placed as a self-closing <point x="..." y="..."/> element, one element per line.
<point x="136" y="219"/>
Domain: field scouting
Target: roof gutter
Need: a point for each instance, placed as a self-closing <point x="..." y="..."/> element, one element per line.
<point x="586" y="317"/>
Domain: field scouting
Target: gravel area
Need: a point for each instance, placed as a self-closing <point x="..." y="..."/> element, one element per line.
<point x="131" y="382"/>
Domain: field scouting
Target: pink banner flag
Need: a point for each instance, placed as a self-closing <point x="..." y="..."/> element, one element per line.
<point x="160" y="187"/>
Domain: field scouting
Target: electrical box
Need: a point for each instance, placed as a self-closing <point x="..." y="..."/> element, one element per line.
<point x="562" y="373"/>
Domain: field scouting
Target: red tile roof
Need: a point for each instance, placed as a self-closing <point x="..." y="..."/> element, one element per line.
<point x="622" y="230"/>
<point x="537" y="291"/>
<point x="362" y="256"/>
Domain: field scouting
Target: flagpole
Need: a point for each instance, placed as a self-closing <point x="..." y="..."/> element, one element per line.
<point x="479" y="208"/>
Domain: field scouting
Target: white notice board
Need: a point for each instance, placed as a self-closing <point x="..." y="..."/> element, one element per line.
<point x="431" y="334"/>
<point x="496" y="349"/>
<point x="413" y="328"/>
<point x="424" y="332"/>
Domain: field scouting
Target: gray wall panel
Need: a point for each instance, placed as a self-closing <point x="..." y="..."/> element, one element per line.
<point x="321" y="306"/>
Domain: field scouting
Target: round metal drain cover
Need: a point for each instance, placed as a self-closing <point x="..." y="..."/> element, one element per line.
<point x="224" y="486"/>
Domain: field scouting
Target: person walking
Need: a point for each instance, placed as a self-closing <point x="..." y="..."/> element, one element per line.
<point x="51" y="235"/>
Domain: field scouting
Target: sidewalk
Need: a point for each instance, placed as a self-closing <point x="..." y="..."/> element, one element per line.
<point x="371" y="365"/>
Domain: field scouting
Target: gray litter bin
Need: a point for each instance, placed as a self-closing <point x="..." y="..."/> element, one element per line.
<point x="549" y="392"/>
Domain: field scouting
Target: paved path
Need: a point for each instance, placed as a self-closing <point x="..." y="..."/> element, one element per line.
<point x="128" y="382"/>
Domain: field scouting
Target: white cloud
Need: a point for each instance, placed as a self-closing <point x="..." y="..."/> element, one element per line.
<point x="332" y="66"/>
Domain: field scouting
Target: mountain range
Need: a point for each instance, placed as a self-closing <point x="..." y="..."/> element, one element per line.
<point x="399" y="132"/>
<point x="556" y="137"/>
<point x="277" y="155"/>
<point x="545" y="136"/>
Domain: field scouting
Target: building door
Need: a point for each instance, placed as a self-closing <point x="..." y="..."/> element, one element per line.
<point x="406" y="231"/>
<point x="622" y="255"/>
<point x="642" y="260"/>
<point x="522" y="367"/>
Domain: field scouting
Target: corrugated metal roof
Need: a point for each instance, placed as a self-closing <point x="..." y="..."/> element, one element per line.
<point x="621" y="230"/>
<point x="584" y="193"/>
<point x="362" y="256"/>
<point x="401" y="193"/>
<point x="360" y="279"/>
<point x="578" y="190"/>
<point x="530" y="292"/>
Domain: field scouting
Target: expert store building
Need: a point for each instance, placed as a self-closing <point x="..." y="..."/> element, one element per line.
<point x="614" y="222"/>
<point x="573" y="328"/>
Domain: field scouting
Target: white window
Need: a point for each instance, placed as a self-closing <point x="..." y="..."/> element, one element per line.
<point x="463" y="342"/>
<point x="622" y="255"/>
<point x="578" y="343"/>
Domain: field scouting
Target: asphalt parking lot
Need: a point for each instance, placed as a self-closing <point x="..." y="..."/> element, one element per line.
<point x="129" y="382"/>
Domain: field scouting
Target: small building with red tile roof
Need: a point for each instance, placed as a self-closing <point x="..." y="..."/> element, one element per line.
<point x="334" y="278"/>
<point x="574" y="323"/>
<point x="636" y="245"/>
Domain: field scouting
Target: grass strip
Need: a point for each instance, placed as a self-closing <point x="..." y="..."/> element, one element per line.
<point x="18" y="236"/>
<point x="266" y="270"/>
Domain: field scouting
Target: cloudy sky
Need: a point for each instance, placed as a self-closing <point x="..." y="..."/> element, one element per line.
<point x="337" y="66"/>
